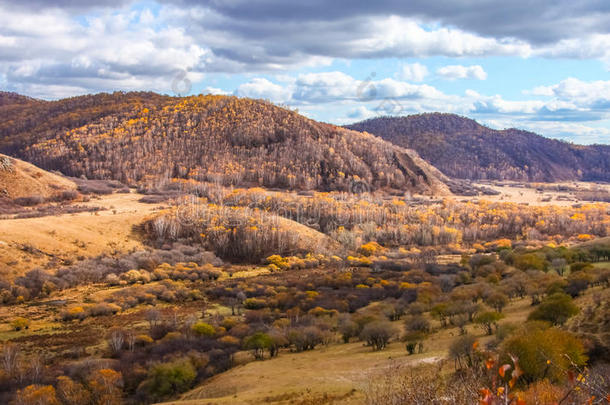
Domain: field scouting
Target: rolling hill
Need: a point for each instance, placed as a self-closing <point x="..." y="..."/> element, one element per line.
<point x="150" y="139"/>
<point x="21" y="179"/>
<point x="462" y="148"/>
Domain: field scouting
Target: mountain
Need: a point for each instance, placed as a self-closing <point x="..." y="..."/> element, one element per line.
<point x="20" y="179"/>
<point x="7" y="99"/>
<point x="146" y="138"/>
<point x="462" y="148"/>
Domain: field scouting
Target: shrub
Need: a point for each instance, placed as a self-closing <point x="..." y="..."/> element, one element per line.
<point x="76" y="312"/>
<point x="71" y="392"/>
<point x="278" y="261"/>
<point x="580" y="266"/>
<point x="462" y="351"/>
<point x="105" y="386"/>
<point x="543" y="392"/>
<point x="254" y="303"/>
<point x="488" y="320"/>
<point x="417" y="323"/>
<point x="167" y="379"/>
<point x="543" y="352"/>
<point x="530" y="261"/>
<point x="348" y="328"/>
<point x="377" y="334"/>
<point x="497" y="301"/>
<point x="305" y="338"/>
<point x="577" y="283"/>
<point x="37" y="395"/>
<point x="102" y="309"/>
<point x="319" y="311"/>
<point x="417" y="327"/>
<point x="203" y="329"/>
<point x="369" y="249"/>
<point x="229" y="340"/>
<point x="143" y="340"/>
<point x="555" y="309"/>
<point x="20" y="323"/>
<point x="29" y="200"/>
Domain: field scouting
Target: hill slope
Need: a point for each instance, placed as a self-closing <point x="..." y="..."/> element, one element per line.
<point x="462" y="148"/>
<point x="21" y="179"/>
<point x="145" y="138"/>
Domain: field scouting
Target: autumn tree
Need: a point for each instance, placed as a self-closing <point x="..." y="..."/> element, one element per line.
<point x="105" y="386"/>
<point x="71" y="392"/>
<point x="257" y="344"/>
<point x="543" y="352"/>
<point x="556" y="309"/>
<point x="417" y="328"/>
<point x="347" y="328"/>
<point x="497" y="301"/>
<point x="167" y="379"/>
<point x="377" y="334"/>
<point x="462" y="351"/>
<point x="488" y="321"/>
<point x="37" y="395"/>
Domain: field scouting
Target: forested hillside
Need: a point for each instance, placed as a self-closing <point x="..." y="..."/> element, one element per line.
<point x="145" y="138"/>
<point x="462" y="148"/>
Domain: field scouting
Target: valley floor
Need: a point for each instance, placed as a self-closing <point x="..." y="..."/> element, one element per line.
<point x="336" y="374"/>
<point x="558" y="194"/>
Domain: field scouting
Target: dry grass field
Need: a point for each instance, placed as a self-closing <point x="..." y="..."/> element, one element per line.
<point x="30" y="242"/>
<point x="22" y="179"/>
<point x="336" y="374"/>
<point x="524" y="193"/>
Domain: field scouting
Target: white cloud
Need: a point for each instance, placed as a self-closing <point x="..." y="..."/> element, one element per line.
<point x="590" y="94"/>
<point x="563" y="114"/>
<point x="453" y="72"/>
<point x="51" y="55"/>
<point x="214" y="91"/>
<point x="402" y="37"/>
<point x="413" y="72"/>
<point x="263" y="89"/>
<point x="581" y="133"/>
<point x="592" y="46"/>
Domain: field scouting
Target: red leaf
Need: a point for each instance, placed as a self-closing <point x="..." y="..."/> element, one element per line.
<point x="503" y="369"/>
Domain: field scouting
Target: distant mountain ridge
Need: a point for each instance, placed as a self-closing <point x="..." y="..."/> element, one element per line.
<point x="147" y="138"/>
<point x="462" y="148"/>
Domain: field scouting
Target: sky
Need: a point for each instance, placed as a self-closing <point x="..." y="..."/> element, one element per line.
<point x="542" y="65"/>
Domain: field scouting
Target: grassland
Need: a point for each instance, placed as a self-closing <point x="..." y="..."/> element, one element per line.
<point x="31" y="242"/>
<point x="334" y="374"/>
<point x="524" y="193"/>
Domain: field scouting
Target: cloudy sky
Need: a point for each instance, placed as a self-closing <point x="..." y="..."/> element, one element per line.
<point x="540" y="65"/>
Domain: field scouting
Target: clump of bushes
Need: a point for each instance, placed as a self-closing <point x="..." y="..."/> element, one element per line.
<point x="555" y="309"/>
<point x="20" y="323"/>
<point x="81" y="312"/>
<point x="169" y="378"/>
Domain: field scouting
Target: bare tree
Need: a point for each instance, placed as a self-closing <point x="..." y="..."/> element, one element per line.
<point x="36" y="369"/>
<point x="153" y="316"/>
<point x="130" y="339"/>
<point x="116" y="341"/>
<point x="10" y="358"/>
